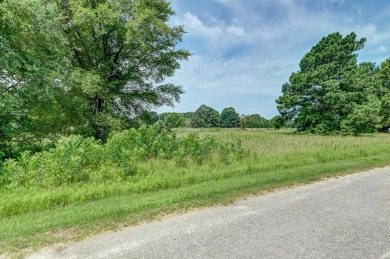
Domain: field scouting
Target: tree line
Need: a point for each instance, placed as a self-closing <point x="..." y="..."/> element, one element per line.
<point x="207" y="117"/>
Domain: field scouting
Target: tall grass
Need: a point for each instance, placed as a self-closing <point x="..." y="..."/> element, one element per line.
<point x="184" y="168"/>
<point x="138" y="161"/>
<point x="79" y="170"/>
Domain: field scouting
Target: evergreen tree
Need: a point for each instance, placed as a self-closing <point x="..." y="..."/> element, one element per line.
<point x="331" y="91"/>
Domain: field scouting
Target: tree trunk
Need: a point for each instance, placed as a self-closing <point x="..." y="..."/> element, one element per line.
<point x="97" y="105"/>
<point x="385" y="129"/>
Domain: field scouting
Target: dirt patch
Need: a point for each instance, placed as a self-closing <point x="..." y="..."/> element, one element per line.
<point x="66" y="234"/>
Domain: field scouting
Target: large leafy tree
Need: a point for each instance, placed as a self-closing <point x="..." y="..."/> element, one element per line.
<point x="94" y="63"/>
<point x="32" y="105"/>
<point x="331" y="92"/>
<point x="205" y="117"/>
<point x="230" y="118"/>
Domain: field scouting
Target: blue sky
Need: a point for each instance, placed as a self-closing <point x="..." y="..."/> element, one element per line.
<point x="244" y="50"/>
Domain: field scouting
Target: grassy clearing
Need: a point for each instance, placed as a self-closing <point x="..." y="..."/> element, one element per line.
<point x="276" y="159"/>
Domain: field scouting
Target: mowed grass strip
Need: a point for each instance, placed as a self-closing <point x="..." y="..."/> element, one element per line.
<point x="290" y="160"/>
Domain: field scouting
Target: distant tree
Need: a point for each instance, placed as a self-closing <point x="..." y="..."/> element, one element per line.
<point x="244" y="121"/>
<point x="230" y="118"/>
<point x="277" y="122"/>
<point x="257" y="121"/>
<point x="161" y="116"/>
<point x="205" y="117"/>
<point x="331" y="91"/>
<point x="174" y="120"/>
<point x="188" y="118"/>
<point x="147" y="118"/>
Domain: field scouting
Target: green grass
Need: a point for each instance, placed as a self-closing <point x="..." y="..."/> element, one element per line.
<point x="35" y="217"/>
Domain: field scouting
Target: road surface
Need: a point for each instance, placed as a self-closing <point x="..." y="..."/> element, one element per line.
<point x="348" y="217"/>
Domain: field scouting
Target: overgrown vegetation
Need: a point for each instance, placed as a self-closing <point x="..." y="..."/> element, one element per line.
<point x="77" y="82"/>
<point x="76" y="162"/>
<point x="138" y="174"/>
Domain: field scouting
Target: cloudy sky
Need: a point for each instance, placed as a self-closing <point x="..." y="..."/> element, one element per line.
<point x="244" y="50"/>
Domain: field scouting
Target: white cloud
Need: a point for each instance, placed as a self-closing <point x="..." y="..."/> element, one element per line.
<point x="250" y="53"/>
<point x="237" y="31"/>
<point x="373" y="35"/>
<point x="382" y="49"/>
<point x="223" y="1"/>
<point x="195" y="26"/>
<point x="218" y="37"/>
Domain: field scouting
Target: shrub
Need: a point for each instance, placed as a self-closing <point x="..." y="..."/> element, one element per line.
<point x="77" y="160"/>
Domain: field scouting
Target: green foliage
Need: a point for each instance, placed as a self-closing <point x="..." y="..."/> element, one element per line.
<point x="331" y="90"/>
<point x="205" y="117"/>
<point x="146" y="118"/>
<point x="33" y="106"/>
<point x="107" y="58"/>
<point x="384" y="93"/>
<point x="229" y="152"/>
<point x="244" y="121"/>
<point x="257" y="121"/>
<point x="273" y="157"/>
<point x="230" y="118"/>
<point x="187" y="115"/>
<point x="364" y="118"/>
<point x="277" y="122"/>
<point x="173" y="120"/>
<point x="77" y="160"/>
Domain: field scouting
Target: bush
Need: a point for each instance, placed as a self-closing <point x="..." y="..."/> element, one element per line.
<point x="174" y="120"/>
<point x="75" y="160"/>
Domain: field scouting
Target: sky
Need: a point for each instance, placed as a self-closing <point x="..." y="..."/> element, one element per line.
<point x="244" y="50"/>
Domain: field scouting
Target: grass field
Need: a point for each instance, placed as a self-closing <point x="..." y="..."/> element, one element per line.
<point x="32" y="217"/>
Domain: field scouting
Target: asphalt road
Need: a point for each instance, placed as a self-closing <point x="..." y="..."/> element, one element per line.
<point x="348" y="217"/>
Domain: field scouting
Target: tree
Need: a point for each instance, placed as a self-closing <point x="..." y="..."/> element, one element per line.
<point x="244" y="121"/>
<point x="257" y="121"/>
<point x="188" y="117"/>
<point x="107" y="58"/>
<point x="364" y="107"/>
<point x="205" y="117"/>
<point x="331" y="90"/>
<point x="384" y="94"/>
<point x="277" y="122"/>
<point x="230" y="118"/>
<point x="147" y="118"/>
<point x="32" y="107"/>
<point x="174" y="120"/>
